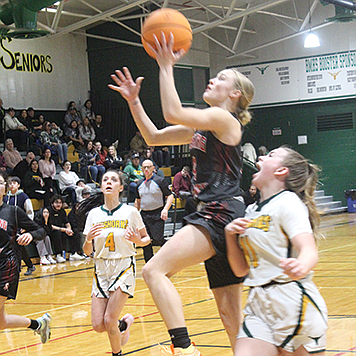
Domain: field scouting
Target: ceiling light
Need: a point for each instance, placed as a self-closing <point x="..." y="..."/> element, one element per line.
<point x="311" y="41"/>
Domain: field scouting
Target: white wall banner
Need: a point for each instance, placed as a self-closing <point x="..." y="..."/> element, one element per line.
<point x="303" y="79"/>
<point x="44" y="73"/>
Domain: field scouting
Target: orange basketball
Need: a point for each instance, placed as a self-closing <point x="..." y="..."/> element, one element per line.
<point x="166" y="21"/>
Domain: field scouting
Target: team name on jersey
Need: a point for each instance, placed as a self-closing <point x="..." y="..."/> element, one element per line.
<point x="262" y="223"/>
<point x="3" y="224"/>
<point x="120" y="224"/>
<point x="198" y="142"/>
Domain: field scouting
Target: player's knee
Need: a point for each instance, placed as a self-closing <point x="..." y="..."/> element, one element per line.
<point x="98" y="326"/>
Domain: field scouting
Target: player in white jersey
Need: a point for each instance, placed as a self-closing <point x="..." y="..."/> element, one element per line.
<point x="285" y="313"/>
<point x="111" y="231"/>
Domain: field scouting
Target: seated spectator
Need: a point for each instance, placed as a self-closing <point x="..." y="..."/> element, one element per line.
<point x="87" y="111"/>
<point x="37" y="124"/>
<point x="262" y="151"/>
<point x="134" y="173"/>
<point x="44" y="247"/>
<point x="16" y="130"/>
<point x="161" y="156"/>
<point x="51" y="137"/>
<point x="59" y="228"/>
<point x="24" y="119"/>
<point x="47" y="167"/>
<point x="23" y="166"/>
<point x="100" y="154"/>
<point x="138" y="143"/>
<point x="82" y="189"/>
<point x="34" y="185"/>
<point x="249" y="152"/>
<point x="72" y="114"/>
<point x="68" y="182"/>
<point x="73" y="134"/>
<point x="101" y="134"/>
<point x="89" y="168"/>
<point x="251" y="196"/>
<point x="182" y="184"/>
<point x="86" y="130"/>
<point x="112" y="160"/>
<point x="16" y="196"/>
<point x="11" y="156"/>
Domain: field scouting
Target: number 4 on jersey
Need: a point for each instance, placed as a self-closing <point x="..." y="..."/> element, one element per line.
<point x="110" y="242"/>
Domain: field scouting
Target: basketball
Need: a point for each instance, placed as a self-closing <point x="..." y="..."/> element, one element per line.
<point x="166" y="21"/>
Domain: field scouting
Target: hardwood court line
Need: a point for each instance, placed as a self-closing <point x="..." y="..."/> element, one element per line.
<point x="336" y="248"/>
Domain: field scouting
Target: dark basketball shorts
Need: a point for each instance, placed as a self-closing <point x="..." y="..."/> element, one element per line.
<point x="214" y="216"/>
<point x="154" y="225"/>
<point x="9" y="277"/>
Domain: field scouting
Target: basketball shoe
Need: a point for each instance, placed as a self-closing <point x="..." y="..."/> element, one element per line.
<point x="170" y="350"/>
<point x="44" y="329"/>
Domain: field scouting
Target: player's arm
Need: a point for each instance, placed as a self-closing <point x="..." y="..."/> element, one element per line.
<point x="167" y="206"/>
<point x="235" y="255"/>
<point x="137" y="204"/>
<point x="297" y="268"/>
<point x="94" y="231"/>
<point x="129" y="90"/>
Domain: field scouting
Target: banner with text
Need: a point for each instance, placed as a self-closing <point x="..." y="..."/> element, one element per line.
<point x="312" y="78"/>
<point x="44" y="73"/>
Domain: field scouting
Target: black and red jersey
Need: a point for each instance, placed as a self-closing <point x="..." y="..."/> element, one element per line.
<point x="217" y="167"/>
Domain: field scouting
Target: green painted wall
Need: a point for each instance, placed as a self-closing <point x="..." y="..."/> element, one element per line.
<point x="333" y="151"/>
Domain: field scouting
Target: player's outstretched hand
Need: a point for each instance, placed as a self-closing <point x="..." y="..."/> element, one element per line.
<point x="126" y="86"/>
<point x="238" y="226"/>
<point x="293" y="268"/>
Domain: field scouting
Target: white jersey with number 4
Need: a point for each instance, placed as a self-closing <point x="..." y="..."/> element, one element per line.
<point x="111" y="243"/>
<point x="276" y="221"/>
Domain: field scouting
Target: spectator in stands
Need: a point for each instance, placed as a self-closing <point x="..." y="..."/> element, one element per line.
<point x="86" y="130"/>
<point x="72" y="114"/>
<point x="2" y="111"/>
<point x="87" y="111"/>
<point x="101" y="134"/>
<point x="138" y="143"/>
<point x="73" y="134"/>
<point x="68" y="182"/>
<point x="80" y="188"/>
<point x="134" y="173"/>
<point x="154" y="199"/>
<point x="251" y="196"/>
<point x="23" y="166"/>
<point x="60" y="227"/>
<point x="262" y="151"/>
<point x="24" y="119"/>
<point x="11" y="156"/>
<point x="47" y="167"/>
<point x="36" y="124"/>
<point x="100" y="153"/>
<point x="161" y="155"/>
<point x="34" y="185"/>
<point x="112" y="159"/>
<point x="16" y="130"/>
<point x="182" y="184"/>
<point x="249" y="152"/>
<point x="31" y="115"/>
<point x="44" y="247"/>
<point x="89" y="169"/>
<point x="16" y="196"/>
<point x="51" y="137"/>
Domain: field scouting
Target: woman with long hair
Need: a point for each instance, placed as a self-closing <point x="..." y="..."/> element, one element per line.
<point x="285" y="313"/>
<point x="214" y="135"/>
<point x="47" y="167"/>
<point x="89" y="168"/>
<point x="113" y="160"/>
<point x="87" y="110"/>
<point x="114" y="229"/>
<point x="68" y="181"/>
<point x="86" y="130"/>
<point x="73" y="134"/>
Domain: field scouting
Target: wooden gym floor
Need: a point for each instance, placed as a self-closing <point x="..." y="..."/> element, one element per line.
<point x="64" y="291"/>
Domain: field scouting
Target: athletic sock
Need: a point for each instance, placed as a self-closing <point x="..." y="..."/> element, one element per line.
<point x="180" y="337"/>
<point x="34" y="324"/>
<point x="117" y="354"/>
<point x="122" y="325"/>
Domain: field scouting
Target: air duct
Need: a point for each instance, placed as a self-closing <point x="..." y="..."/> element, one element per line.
<point x="344" y="10"/>
<point x="24" y="14"/>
